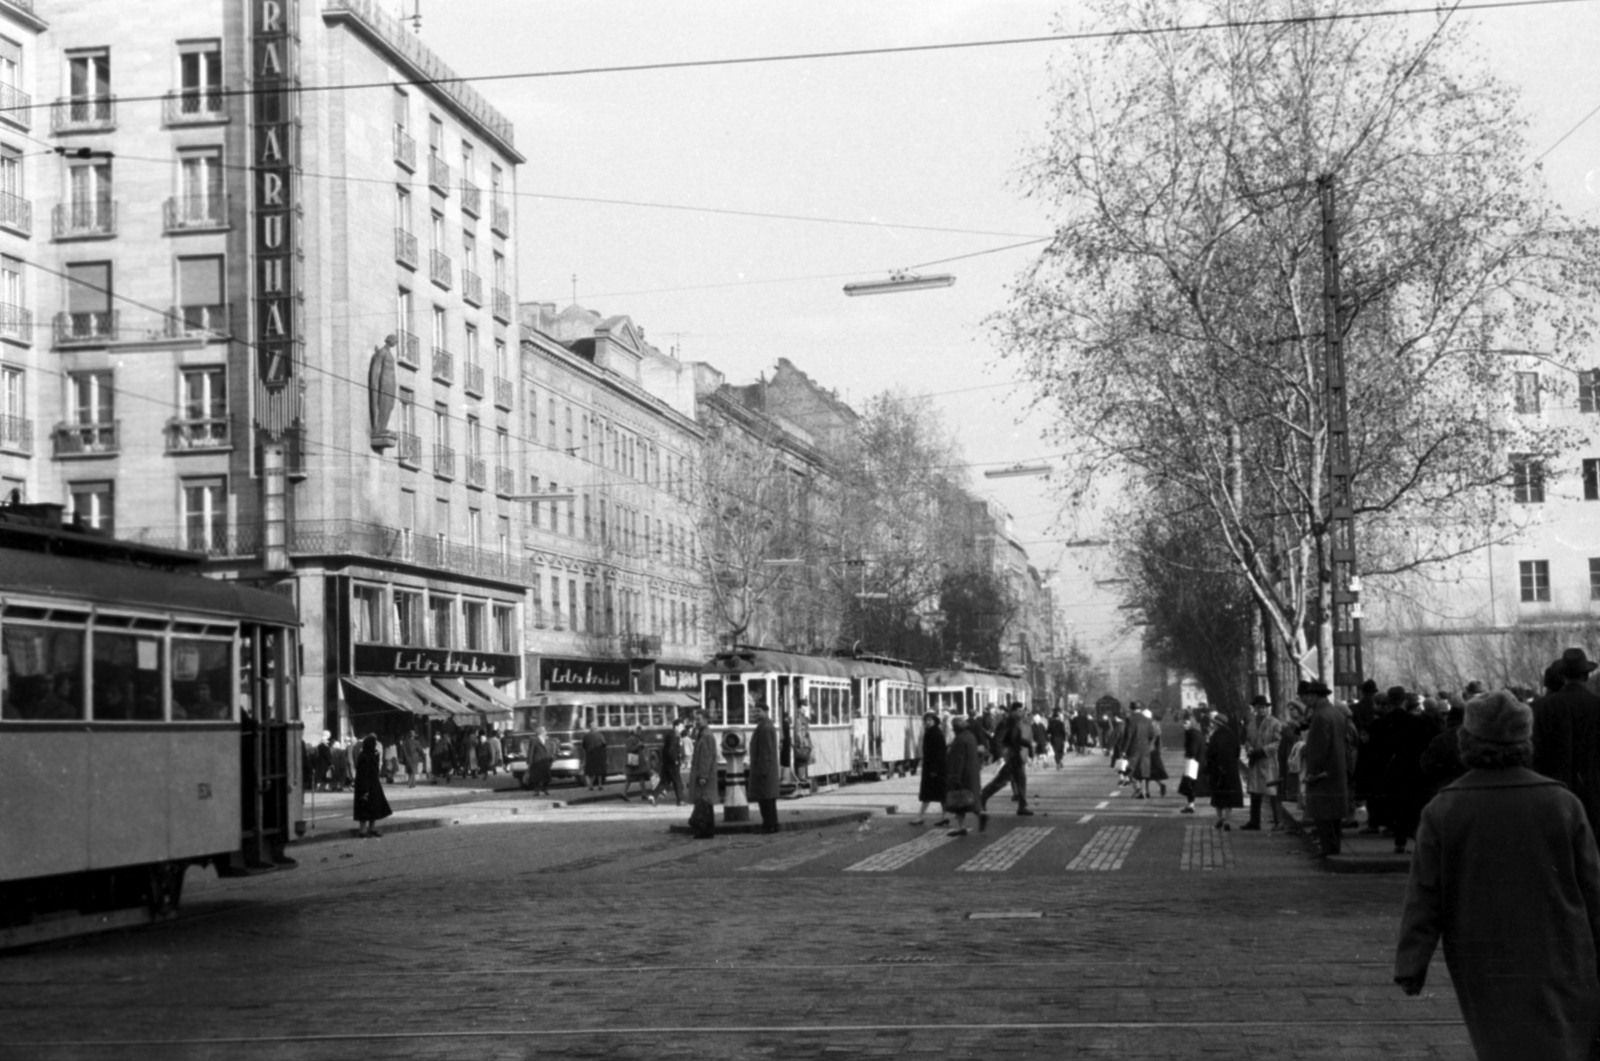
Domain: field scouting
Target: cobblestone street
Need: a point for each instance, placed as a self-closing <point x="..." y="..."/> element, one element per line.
<point x="1101" y="927"/>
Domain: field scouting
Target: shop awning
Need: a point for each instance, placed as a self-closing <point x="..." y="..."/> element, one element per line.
<point x="394" y="692"/>
<point x="490" y="693"/>
<point x="474" y="701"/>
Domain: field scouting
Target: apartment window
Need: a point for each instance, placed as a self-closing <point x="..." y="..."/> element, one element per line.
<point x="15" y="210"/>
<point x="499" y="265"/>
<point x="201" y="189"/>
<point x="15" y="321"/>
<point x="1527" y="392"/>
<point x="200" y="299"/>
<point x="89" y="299"/>
<point x="92" y="504"/>
<point x="605" y="530"/>
<point x="435" y="136"/>
<point x="1535" y="578"/>
<point x="468" y="168"/>
<point x="441" y="423"/>
<point x="441" y="329"/>
<point x="588" y="527"/>
<point x="554" y="408"/>
<point x="205" y="406"/>
<point x="505" y="629"/>
<point x="88" y="208"/>
<point x="469" y="251"/>
<point x="402" y="210"/>
<point x="496" y="182"/>
<point x="611" y="610"/>
<point x="436" y="232"/>
<point x="14" y="395"/>
<point x="200" y="77"/>
<point x="402" y="111"/>
<point x="441" y="613"/>
<point x="572" y="519"/>
<point x="205" y="521"/>
<point x="1527" y="480"/>
<point x="538" y="602"/>
<point x="10" y="63"/>
<point x="571" y="449"/>
<point x="555" y="603"/>
<point x="572" y="603"/>
<point x="1591" y="479"/>
<point x="408" y="623"/>
<point x="89" y="85"/>
<point x="366" y="613"/>
<point x="408" y="410"/>
<point x="471" y="351"/>
<point x="502" y="447"/>
<point x="408" y="521"/>
<point x="588" y="605"/>
<point x="1594" y="578"/>
<point x="475" y="625"/>
<point x="533" y="506"/>
<point x="92" y="398"/>
<point x="474" y="438"/>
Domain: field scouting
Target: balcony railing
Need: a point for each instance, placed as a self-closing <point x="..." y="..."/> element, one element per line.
<point x="94" y="326"/>
<point x="502" y="306"/>
<point x="16" y="323"/>
<point x="408" y="351"/>
<point x="438" y="174"/>
<point x="16" y="434"/>
<point x="16" y="213"/>
<point x="471" y="288"/>
<point x="444" y="462"/>
<point x="440" y="269"/>
<point x="471" y="198"/>
<point x="444" y="366"/>
<point x="88" y="440"/>
<point x="410" y="450"/>
<point x="504" y="393"/>
<point x="500" y="217"/>
<point x="405" y="248"/>
<point x="405" y="149"/>
<point x="204" y="433"/>
<point x="16" y="106"/>
<point x="190" y="213"/>
<point x="194" y="106"/>
<point x="84" y="220"/>
<point x="206" y="322"/>
<point x="472" y="379"/>
<point x="476" y="473"/>
<point x="84" y="114"/>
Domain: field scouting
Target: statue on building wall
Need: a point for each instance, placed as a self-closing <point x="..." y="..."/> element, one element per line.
<point x="381" y="394"/>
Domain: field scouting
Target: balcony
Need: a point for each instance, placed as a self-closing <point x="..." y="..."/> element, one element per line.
<point x="405" y="149"/>
<point x="444" y="365"/>
<point x="504" y="393"/>
<point x="88" y="440"/>
<point x="408" y="351"/>
<point x="471" y="199"/>
<point x="16" y="434"/>
<point x="405" y="248"/>
<point x="476" y="474"/>
<point x="440" y="269"/>
<point x="505" y="480"/>
<point x="205" y="433"/>
<point x="472" y="379"/>
<point x="92" y="220"/>
<point x="16" y="323"/>
<point x="444" y="462"/>
<point x="84" y="114"/>
<point x="16" y="106"/>
<point x="410" y="452"/>
<point x="94" y="326"/>
<point x="197" y="322"/>
<point x="196" y="213"/>
<point x="16" y="214"/>
<point x="471" y="288"/>
<point x="194" y="106"/>
<point x="502" y="306"/>
<point x="438" y="174"/>
<point x="500" y="217"/>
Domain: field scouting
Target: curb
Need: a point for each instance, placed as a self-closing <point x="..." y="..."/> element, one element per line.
<point x="409" y="825"/>
<point x="734" y="828"/>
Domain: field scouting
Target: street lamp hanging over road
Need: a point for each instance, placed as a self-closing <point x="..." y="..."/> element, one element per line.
<point x="899" y="281"/>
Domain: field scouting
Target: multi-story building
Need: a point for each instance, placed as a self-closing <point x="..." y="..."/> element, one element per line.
<point x="614" y="565"/>
<point x="201" y="282"/>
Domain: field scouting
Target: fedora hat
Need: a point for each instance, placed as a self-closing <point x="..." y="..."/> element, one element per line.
<point x="1574" y="664"/>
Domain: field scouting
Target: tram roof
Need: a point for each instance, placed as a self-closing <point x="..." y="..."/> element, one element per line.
<point x="952" y="679"/>
<point x="47" y="575"/>
<point x="565" y="698"/>
<point x="764" y="660"/>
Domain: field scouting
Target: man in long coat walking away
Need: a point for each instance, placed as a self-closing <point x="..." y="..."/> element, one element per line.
<point x="764" y="773"/>
<point x="1136" y="741"/>
<point x="1325" y="765"/>
<point x="1566" y="732"/>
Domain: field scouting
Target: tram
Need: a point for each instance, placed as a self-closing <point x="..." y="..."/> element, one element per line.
<point x="149" y="722"/>
<point x="862" y="714"/>
<point x="970" y="691"/>
<point x="566" y="716"/>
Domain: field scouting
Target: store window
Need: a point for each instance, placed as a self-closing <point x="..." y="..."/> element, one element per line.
<point x="441" y="626"/>
<point x="474" y="622"/>
<point x="408" y="622"/>
<point x="366" y="613"/>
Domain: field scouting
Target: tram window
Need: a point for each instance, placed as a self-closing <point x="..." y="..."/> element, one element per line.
<point x="43" y="673"/>
<point x="614" y="716"/>
<point x="711" y="692"/>
<point x="202" y="680"/>
<point x="127" y="677"/>
<point x="735" y="705"/>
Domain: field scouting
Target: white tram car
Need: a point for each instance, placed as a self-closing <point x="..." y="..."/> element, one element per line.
<point x="970" y="691"/>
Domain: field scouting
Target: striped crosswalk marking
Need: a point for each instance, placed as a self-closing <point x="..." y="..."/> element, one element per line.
<point x="1003" y="853"/>
<point x="1106" y="849"/>
<point x="804" y="855"/>
<point x="901" y="854"/>
<point x="1206" y="848"/>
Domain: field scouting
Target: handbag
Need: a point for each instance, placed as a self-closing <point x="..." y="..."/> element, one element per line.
<point x="958" y="800"/>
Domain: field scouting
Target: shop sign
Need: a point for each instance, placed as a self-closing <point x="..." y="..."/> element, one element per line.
<point x="584" y="675"/>
<point x="436" y="663"/>
<point x="677" y="679"/>
<point x="274" y="146"/>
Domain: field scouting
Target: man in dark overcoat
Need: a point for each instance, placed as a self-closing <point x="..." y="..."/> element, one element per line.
<point x="765" y="776"/>
<point x="1325" y="764"/>
<point x="1566" y="732"/>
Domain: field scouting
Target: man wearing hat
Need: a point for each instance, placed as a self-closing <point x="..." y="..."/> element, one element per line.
<point x="1261" y="736"/>
<point x="1566" y="732"/>
<point x="1507" y="875"/>
<point x="1325" y="764"/>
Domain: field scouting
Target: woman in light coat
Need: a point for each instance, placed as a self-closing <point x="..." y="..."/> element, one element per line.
<point x="1261" y="737"/>
<point x="703" y="766"/>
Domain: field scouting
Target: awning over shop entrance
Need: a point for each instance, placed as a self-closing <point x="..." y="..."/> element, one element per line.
<point x="476" y="702"/>
<point x="501" y="701"/>
<point x="398" y="693"/>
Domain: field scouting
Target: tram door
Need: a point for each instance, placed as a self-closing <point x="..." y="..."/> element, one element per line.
<point x="270" y="744"/>
<point x="858" y="724"/>
<point x="783" y="709"/>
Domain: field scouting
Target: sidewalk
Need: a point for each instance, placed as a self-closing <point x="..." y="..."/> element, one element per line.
<point x="330" y="815"/>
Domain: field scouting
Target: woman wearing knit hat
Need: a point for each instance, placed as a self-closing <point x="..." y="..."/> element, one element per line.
<point x="1506" y="872"/>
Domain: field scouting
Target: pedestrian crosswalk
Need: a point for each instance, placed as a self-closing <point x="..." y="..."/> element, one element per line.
<point x="901" y="854"/>
<point x="1004" y="852"/>
<point x="1107" y="850"/>
<point x="1204" y="847"/>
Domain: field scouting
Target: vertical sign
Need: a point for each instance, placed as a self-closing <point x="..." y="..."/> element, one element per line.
<point x="274" y="138"/>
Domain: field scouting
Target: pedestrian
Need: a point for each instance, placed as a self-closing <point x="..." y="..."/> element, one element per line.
<point x="1566" y="731"/>
<point x="443" y="756"/>
<point x="391" y="762"/>
<point x="411" y="757"/>
<point x="370" y="805"/>
<point x="1222" y="762"/>
<point x="1194" y="753"/>
<point x="541" y="759"/>
<point x="636" y="765"/>
<point x="340" y="756"/>
<point x="671" y="763"/>
<point x="1330" y="747"/>
<point x="1157" y="771"/>
<point x="1441" y="763"/>
<point x="931" y="786"/>
<point x="1261" y="737"/>
<point x="1119" y="746"/>
<point x="1137" y="737"/>
<point x="963" y="774"/>
<point x="497" y="752"/>
<point x="1015" y="740"/>
<point x="1102" y="726"/>
<point x="1372" y="765"/>
<point x="1286" y="791"/>
<point x="801" y="751"/>
<point x="322" y="762"/>
<point x="1404" y="782"/>
<point x="485" y="755"/>
<point x="765" y="777"/>
<point x="1507" y="875"/>
<point x="594" y="757"/>
<point x="1057" y="730"/>
<point x="703" y="780"/>
<point x="1080" y="732"/>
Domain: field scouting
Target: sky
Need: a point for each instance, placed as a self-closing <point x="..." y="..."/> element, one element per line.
<point x="867" y="153"/>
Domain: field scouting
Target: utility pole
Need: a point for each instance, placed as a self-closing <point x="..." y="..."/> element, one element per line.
<point x="1345" y="613"/>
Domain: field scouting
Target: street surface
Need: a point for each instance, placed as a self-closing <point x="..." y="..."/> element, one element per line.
<point x="1103" y="926"/>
